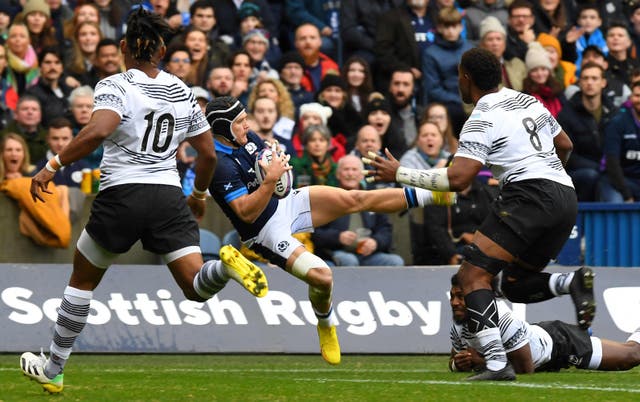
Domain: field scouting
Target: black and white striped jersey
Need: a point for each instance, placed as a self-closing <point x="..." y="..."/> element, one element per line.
<point x="515" y="334"/>
<point x="512" y="134"/>
<point x="156" y="115"/>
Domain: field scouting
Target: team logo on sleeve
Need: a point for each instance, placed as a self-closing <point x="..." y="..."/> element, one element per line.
<point x="283" y="245"/>
<point x="251" y="147"/>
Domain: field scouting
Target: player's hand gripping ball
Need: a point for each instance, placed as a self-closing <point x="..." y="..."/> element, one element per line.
<point x="284" y="183"/>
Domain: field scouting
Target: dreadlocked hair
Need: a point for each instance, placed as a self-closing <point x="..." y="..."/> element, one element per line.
<point x="145" y="33"/>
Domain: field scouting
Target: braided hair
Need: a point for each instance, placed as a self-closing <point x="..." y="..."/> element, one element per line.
<point x="145" y="33"/>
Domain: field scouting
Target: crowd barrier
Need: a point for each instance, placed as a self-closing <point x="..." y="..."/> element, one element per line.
<point x="605" y="235"/>
<point x="140" y="309"/>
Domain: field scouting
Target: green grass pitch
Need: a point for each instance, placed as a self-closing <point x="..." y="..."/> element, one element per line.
<point x="302" y="378"/>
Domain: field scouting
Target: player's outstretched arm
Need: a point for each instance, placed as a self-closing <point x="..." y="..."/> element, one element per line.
<point x="564" y="146"/>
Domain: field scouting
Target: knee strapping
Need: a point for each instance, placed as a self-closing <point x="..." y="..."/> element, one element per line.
<point x="93" y="252"/>
<point x="305" y="262"/>
<point x="474" y="256"/>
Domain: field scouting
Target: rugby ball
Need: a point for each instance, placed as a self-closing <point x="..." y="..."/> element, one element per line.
<point x="284" y="183"/>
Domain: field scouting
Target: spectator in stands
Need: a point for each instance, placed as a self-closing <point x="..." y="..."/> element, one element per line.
<point x="448" y="229"/>
<point x="345" y="120"/>
<point x="274" y="89"/>
<point x="291" y="72"/>
<point x="51" y="89"/>
<point x="408" y="32"/>
<point x="634" y="19"/>
<point x="360" y="239"/>
<point x="621" y="64"/>
<point x="584" y="118"/>
<point x="563" y="71"/>
<point x="493" y="37"/>
<point x="520" y="29"/>
<point x="324" y="15"/>
<point x="437" y="113"/>
<point x="616" y="90"/>
<point x="82" y="56"/>
<point x="22" y="69"/>
<point x="256" y="43"/>
<point x="440" y="65"/>
<point x="378" y="115"/>
<point x="315" y="166"/>
<point x="540" y="83"/>
<point x="368" y="140"/>
<point x="196" y="42"/>
<point x="5" y="22"/>
<point x="177" y="61"/>
<point x="28" y="124"/>
<point x="427" y="153"/>
<point x="59" y="13"/>
<point x="622" y="150"/>
<point x="15" y="161"/>
<point x="108" y="59"/>
<point x="228" y="18"/>
<point x="477" y="11"/>
<point x="59" y="134"/>
<point x="203" y="18"/>
<point x="112" y="15"/>
<point x="265" y="115"/>
<point x="169" y="13"/>
<point x="87" y="12"/>
<point x="251" y="19"/>
<point x="316" y="113"/>
<point x="36" y="15"/>
<point x="405" y="110"/>
<point x="220" y="81"/>
<point x="357" y="75"/>
<point x="556" y="18"/>
<point x="81" y="106"/>
<point x="240" y="64"/>
<point x="358" y="22"/>
<point x="589" y="21"/>
<point x="317" y="65"/>
<point x="5" y="113"/>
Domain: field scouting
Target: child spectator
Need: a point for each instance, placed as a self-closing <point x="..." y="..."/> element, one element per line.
<point x="315" y="166"/>
<point x="589" y="22"/>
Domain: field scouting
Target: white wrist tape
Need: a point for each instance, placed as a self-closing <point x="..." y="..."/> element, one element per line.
<point x="50" y="168"/>
<point x="431" y="179"/>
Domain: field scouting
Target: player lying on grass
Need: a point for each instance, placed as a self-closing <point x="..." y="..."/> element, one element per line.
<point x="544" y="346"/>
<point x="266" y="223"/>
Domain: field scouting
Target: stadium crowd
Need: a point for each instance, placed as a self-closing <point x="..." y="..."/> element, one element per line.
<point x="331" y="78"/>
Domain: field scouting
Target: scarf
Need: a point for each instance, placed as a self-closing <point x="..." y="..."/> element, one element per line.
<point x="321" y="169"/>
<point x="27" y="66"/>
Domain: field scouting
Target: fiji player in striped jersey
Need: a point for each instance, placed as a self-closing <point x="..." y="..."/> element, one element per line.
<point x="525" y="148"/>
<point x="266" y="223"/>
<point x="141" y="115"/>
<point x="543" y="346"/>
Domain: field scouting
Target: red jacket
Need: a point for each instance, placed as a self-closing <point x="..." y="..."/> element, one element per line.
<point x="326" y="64"/>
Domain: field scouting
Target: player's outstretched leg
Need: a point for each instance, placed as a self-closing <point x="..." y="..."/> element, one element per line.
<point x="581" y="289"/>
<point x="244" y="271"/>
<point x="33" y="367"/>
<point x="329" y="345"/>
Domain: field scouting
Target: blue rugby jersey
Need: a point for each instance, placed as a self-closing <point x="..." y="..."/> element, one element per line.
<point x="235" y="177"/>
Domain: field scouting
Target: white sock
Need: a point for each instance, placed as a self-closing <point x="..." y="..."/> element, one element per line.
<point x="327" y="320"/>
<point x="559" y="283"/>
<point x="635" y="336"/>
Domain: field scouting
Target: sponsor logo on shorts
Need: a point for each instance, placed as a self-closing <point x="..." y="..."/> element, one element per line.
<point x="283" y="245"/>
